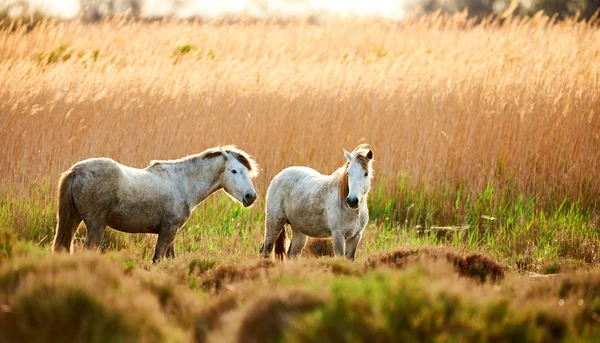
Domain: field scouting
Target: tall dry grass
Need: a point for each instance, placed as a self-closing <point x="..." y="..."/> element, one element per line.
<point x="441" y="100"/>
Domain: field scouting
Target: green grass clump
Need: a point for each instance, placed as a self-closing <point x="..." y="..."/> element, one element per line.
<point x="83" y="299"/>
<point x="402" y="307"/>
<point x="181" y="51"/>
<point x="6" y="245"/>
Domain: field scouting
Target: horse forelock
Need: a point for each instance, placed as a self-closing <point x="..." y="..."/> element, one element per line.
<point x="362" y="147"/>
<point x="361" y="156"/>
<point x="365" y="163"/>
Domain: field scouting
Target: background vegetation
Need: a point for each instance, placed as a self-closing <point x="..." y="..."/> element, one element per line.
<point x="485" y="136"/>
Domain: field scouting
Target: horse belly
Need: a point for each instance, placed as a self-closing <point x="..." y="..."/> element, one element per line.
<point x="135" y="218"/>
<point x="312" y="225"/>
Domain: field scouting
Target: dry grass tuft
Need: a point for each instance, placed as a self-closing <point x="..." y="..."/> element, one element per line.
<point x="478" y="267"/>
<point x="318" y="247"/>
<point x="475" y="266"/>
<point x="396" y="259"/>
<point x="210" y="317"/>
<point x="219" y="277"/>
<point x="79" y="297"/>
<point x="273" y="314"/>
<point x="88" y="298"/>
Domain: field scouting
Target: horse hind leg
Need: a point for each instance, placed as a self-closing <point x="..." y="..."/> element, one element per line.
<point x="95" y="233"/>
<point x="273" y="228"/>
<point x="298" y="242"/>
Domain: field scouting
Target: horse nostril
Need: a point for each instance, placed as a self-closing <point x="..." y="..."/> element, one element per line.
<point x="249" y="197"/>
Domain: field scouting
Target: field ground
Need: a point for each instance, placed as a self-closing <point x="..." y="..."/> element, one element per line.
<point x="484" y="212"/>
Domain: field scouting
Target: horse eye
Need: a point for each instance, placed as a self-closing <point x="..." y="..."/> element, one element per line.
<point x="234" y="171"/>
<point x="366" y="174"/>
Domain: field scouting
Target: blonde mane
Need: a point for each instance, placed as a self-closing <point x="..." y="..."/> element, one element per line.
<point x="242" y="157"/>
<point x="343" y="182"/>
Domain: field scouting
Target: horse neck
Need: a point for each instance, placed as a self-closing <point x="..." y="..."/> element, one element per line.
<point x="200" y="178"/>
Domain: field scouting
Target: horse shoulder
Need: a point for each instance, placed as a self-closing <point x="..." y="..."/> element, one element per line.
<point x="177" y="215"/>
<point x="174" y="195"/>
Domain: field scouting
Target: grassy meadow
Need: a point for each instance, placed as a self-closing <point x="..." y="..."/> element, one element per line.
<point x="484" y="211"/>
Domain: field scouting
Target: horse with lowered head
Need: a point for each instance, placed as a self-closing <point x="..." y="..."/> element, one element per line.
<point x="157" y="199"/>
<point x="317" y="205"/>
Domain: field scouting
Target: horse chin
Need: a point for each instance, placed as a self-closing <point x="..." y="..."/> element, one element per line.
<point x="246" y="203"/>
<point x="355" y="209"/>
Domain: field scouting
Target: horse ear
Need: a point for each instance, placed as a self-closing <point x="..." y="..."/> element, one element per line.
<point x="225" y="154"/>
<point x="370" y="154"/>
<point x="347" y="154"/>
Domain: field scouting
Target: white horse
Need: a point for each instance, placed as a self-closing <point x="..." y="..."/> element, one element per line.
<point x="157" y="199"/>
<point x="318" y="205"/>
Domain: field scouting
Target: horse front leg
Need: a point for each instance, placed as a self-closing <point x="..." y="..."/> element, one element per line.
<point x="170" y="251"/>
<point x="351" y="244"/>
<point x="166" y="235"/>
<point x="338" y="243"/>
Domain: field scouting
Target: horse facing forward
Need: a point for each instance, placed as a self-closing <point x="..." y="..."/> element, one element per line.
<point x="319" y="205"/>
<point x="157" y="199"/>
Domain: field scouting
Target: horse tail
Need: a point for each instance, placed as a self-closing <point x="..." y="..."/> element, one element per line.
<point x="68" y="218"/>
<point x="280" y="246"/>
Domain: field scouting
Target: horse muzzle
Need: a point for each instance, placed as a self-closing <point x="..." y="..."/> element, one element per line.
<point x="249" y="199"/>
<point x="352" y="202"/>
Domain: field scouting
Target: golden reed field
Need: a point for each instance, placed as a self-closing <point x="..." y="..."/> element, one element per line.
<point x="484" y="212"/>
<point x="438" y="99"/>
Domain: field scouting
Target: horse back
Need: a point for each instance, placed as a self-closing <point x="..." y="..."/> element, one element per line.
<point x="294" y="183"/>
